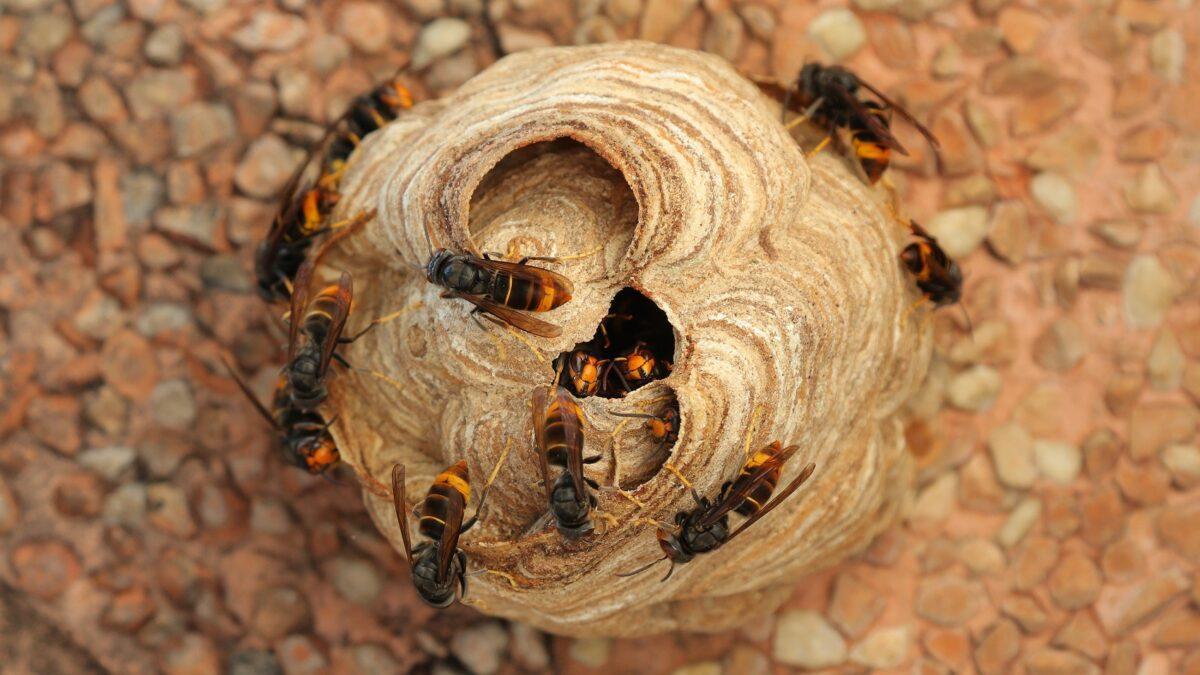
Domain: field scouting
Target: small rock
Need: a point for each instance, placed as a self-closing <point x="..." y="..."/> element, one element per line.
<point x="300" y="655"/>
<point x="935" y="502"/>
<point x="1060" y="462"/>
<point x="1120" y="233"/>
<point x="365" y="25"/>
<point x="129" y="610"/>
<point x="1154" y="425"/>
<point x="167" y="509"/>
<point x="724" y="35"/>
<point x="1123" y="561"/>
<point x="266" y="166"/>
<point x="126" y="505"/>
<point x="356" y="579"/>
<point x="590" y="652"/>
<point x="1033" y="562"/>
<point x="948" y="62"/>
<point x="839" y="32"/>
<point x="200" y="126"/>
<point x="854" y="606"/>
<point x="270" y="31"/>
<point x="172" y="405"/>
<point x="1019" y="520"/>
<point x="1082" y="634"/>
<point x="1166" y="363"/>
<point x="1041" y="111"/>
<point x="1150" y="192"/>
<point x="480" y="647"/>
<point x="196" y="225"/>
<point x="99" y="317"/>
<point x="190" y="654"/>
<point x="949" y="601"/>
<point x="1145" y="143"/>
<point x="280" y="611"/>
<point x="702" y="668"/>
<point x="372" y="658"/>
<point x="165" y="45"/>
<point x="1020" y="75"/>
<point x="162" y="318"/>
<point x="1026" y="612"/>
<point x="883" y="648"/>
<point x="959" y="231"/>
<point x="746" y="660"/>
<point x="439" y="38"/>
<point x="1102" y="516"/>
<point x="1009" y="232"/>
<point x="102" y="102"/>
<point x="759" y="19"/>
<point x="982" y="123"/>
<point x="1168" y="52"/>
<point x="974" y="389"/>
<point x="804" y="638"/>
<point x="1046" y="661"/>
<point x="1177" y="525"/>
<point x="1122" y="609"/>
<point x="254" y="662"/>
<point x="950" y="647"/>
<point x="1022" y="28"/>
<point x="155" y="93"/>
<point x="981" y="556"/>
<point x="662" y="17"/>
<point x="1060" y="346"/>
<point x="1183" y="463"/>
<point x="10" y="510"/>
<point x="1181" y="629"/>
<point x="44" y="567"/>
<point x="529" y="646"/>
<point x="1148" y="291"/>
<point x="998" y="648"/>
<point x="1075" y="582"/>
<point x="1056" y="196"/>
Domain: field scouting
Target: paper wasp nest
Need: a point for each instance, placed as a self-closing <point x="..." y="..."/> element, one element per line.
<point x="779" y="278"/>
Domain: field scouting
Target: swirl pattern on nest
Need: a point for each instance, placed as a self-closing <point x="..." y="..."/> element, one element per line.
<point x="779" y="276"/>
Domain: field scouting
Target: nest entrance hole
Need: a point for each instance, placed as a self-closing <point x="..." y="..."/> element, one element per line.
<point x="633" y="346"/>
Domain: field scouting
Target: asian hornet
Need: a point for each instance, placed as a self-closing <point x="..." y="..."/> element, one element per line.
<point x="558" y="425"/>
<point x="502" y="290"/>
<point x="706" y="527"/>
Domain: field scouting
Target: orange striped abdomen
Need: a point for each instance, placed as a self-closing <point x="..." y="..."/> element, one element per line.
<point x="446" y="501"/>
<point x="562" y="414"/>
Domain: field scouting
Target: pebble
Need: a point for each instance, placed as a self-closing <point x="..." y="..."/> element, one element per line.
<point x="270" y="31"/>
<point x="1122" y="393"/>
<point x="1058" y="461"/>
<point x="590" y="652"/>
<point x="1102" y="515"/>
<point x="79" y="495"/>
<point x="365" y="25"/>
<point x="1177" y="525"/>
<point x="1026" y="612"/>
<point x="804" y="638"/>
<point x="44" y="568"/>
<point x="158" y="92"/>
<point x="936" y="501"/>
<point x="1022" y="28"/>
<point x="439" y="38"/>
<point x="480" y="647"/>
<point x="1150" y="191"/>
<point x="839" y="32"/>
<point x="1122" y="609"/>
<point x="724" y="35"/>
<point x="1033" y="562"/>
<point x="1181" y="629"/>
<point x="1166" y="362"/>
<point x="373" y="658"/>
<point x="190" y="654"/>
<point x="102" y="102"/>
<point x="959" y="231"/>
<point x="948" y="62"/>
<point x="1046" y="661"/>
<point x="1020" y="75"/>
<point x="981" y="556"/>
<point x="1148" y="291"/>
<point x="950" y="647"/>
<point x="883" y="648"/>
<point x="280" y="611"/>
<point x="126" y="505"/>
<point x="1009" y="232"/>
<point x="982" y="122"/>
<point x="528" y="646"/>
<point x="1083" y="635"/>
<point x="129" y="610"/>
<point x="759" y="19"/>
<point x="196" y="225"/>
<point x="1056" y="196"/>
<point x="974" y="389"/>
<point x="165" y="45"/>
<point x="1183" y="463"/>
<point x="53" y="420"/>
<point x="162" y="318"/>
<point x="854" y="606"/>
<point x="299" y="655"/>
<point x="1075" y="582"/>
<point x="1168" y="52"/>
<point x="1041" y="111"/>
<point x="662" y="17"/>
<point x="99" y="317"/>
<point x="10" y="510"/>
<point x="356" y="579"/>
<point x="1145" y="143"/>
<point x="266" y="166"/>
<point x="200" y="126"/>
<point x="1152" y="426"/>
<point x="998" y="648"/>
<point x="1019" y="521"/>
<point x="167" y="509"/>
<point x="1061" y="346"/>
<point x="172" y="405"/>
<point x="1123" y="560"/>
<point x="949" y="601"/>
<point x="1075" y="152"/>
<point x="254" y="662"/>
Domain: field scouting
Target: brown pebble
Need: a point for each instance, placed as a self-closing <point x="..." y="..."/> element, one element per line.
<point x="998" y="648"/>
<point x="949" y="601"/>
<point x="44" y="567"/>
<point x="1075" y="582"/>
<point x="1033" y="561"/>
<point x="854" y="606"/>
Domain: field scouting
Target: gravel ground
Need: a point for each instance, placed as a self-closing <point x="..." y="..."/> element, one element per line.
<point x="147" y="526"/>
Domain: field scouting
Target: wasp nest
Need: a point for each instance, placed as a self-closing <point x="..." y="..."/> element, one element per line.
<point x="665" y="178"/>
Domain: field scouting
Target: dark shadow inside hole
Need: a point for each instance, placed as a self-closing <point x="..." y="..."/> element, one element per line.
<point x="634" y="345"/>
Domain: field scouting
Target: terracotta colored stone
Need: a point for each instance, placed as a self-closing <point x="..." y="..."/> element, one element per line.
<point x="1143" y="484"/>
<point x="1177" y="526"/>
<point x="1057" y="662"/>
<point x="1103" y="516"/>
<point x="1179" y="629"/>
<point x="1082" y="634"/>
<point x="951" y="647"/>
<point x="1075" y="582"/>
<point x="129" y="366"/>
<point x="854" y="606"/>
<point x="1123" y="560"/>
<point x="1123" y="608"/>
<point x="1027" y="613"/>
<point x="949" y="601"/>
<point x="998" y="648"/>
<point x="44" y="568"/>
<point x="1033" y="561"/>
